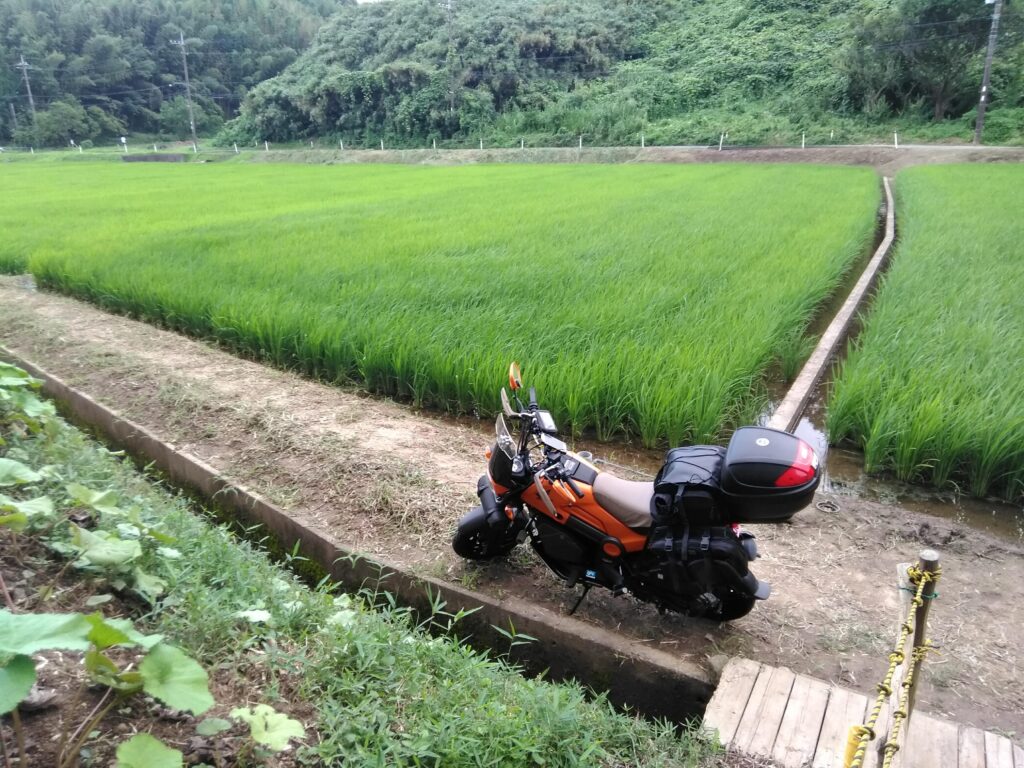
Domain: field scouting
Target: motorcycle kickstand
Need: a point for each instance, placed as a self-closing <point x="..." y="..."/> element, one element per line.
<point x="586" y="589"/>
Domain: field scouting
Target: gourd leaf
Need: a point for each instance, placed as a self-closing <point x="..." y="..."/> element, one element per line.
<point x="28" y="633"/>
<point x="269" y="727"/>
<point x="145" y="751"/>
<point x="176" y="679"/>
<point x="41" y="506"/>
<point x="103" y="548"/>
<point x="16" y="679"/>
<point x="104" y="502"/>
<point x="149" y="586"/>
<point x="15" y="473"/>
<point x="211" y="726"/>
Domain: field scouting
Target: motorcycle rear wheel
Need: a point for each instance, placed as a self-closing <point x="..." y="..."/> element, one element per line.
<point x="732" y="607"/>
<point x="482" y="545"/>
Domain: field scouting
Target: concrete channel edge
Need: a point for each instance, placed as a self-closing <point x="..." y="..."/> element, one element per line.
<point x="787" y="415"/>
<point x="634" y="675"/>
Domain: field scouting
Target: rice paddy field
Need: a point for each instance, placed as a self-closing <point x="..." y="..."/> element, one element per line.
<point x="934" y="387"/>
<point x="653" y="300"/>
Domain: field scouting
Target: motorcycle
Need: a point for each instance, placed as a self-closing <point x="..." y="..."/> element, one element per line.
<point x="676" y="542"/>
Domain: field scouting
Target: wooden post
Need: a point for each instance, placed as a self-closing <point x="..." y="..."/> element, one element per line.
<point x="929" y="563"/>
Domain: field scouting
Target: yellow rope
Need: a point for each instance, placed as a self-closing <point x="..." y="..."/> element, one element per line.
<point x="860" y="735"/>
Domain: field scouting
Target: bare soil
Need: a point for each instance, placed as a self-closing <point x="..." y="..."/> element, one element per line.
<point x="392" y="482"/>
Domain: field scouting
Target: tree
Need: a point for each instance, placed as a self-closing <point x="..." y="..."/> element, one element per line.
<point x="174" y="119"/>
<point x="62" y="122"/>
<point x="921" y="49"/>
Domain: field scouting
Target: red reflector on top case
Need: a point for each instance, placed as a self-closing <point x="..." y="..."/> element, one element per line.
<point x="802" y="469"/>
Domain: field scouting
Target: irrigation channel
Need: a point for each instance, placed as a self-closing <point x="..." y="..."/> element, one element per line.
<point x="352" y="473"/>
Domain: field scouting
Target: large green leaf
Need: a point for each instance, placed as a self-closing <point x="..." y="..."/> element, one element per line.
<point x="13" y="376"/>
<point x="31" y="406"/>
<point x="103" y="548"/>
<point x="104" y="502"/>
<point x="16" y="679"/>
<point x="40" y="507"/>
<point x="27" y="633"/>
<point x="270" y="727"/>
<point x="176" y="679"/>
<point x="16" y="521"/>
<point x="148" y="585"/>
<point x="15" y="473"/>
<point x="145" y="751"/>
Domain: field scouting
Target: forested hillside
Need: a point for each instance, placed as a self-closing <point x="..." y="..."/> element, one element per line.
<point x="679" y="71"/>
<point x="409" y="71"/>
<point x="103" y="67"/>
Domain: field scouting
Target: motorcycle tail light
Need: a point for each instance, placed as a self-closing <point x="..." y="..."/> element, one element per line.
<point x="802" y="470"/>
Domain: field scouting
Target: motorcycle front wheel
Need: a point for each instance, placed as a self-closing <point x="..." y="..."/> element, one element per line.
<point x="482" y="545"/>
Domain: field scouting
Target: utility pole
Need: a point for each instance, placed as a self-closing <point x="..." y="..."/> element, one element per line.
<point x="451" y="59"/>
<point x="979" y="124"/>
<point x="180" y="42"/>
<point x="14" y="115"/>
<point x="24" y="67"/>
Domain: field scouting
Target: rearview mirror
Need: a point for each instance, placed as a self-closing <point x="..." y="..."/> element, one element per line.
<point x="515" y="377"/>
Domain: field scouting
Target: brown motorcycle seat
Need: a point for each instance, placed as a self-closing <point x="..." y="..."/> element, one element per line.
<point x="628" y="501"/>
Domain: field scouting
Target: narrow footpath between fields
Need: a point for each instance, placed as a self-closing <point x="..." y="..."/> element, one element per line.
<point x="391" y="483"/>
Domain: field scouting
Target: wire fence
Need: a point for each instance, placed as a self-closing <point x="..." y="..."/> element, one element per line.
<point x="580" y="144"/>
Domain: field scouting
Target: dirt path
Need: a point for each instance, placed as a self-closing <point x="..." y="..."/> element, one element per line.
<point x="886" y="159"/>
<point x="391" y="482"/>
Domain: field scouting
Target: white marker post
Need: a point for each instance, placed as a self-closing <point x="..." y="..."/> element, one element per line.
<point x="124" y="143"/>
<point x="831" y="135"/>
<point x="803" y="140"/>
<point x="435" y="145"/>
<point x="195" y="149"/>
<point x="382" y="145"/>
<point x="895" y="140"/>
<point x="721" y="141"/>
<point x="79" y="149"/>
<point x="32" y="150"/>
<point x="643" y="141"/>
<point x="154" y="148"/>
<point x="481" y="143"/>
<point x="310" y="143"/>
<point x="236" y="147"/>
<point x="581" y="142"/>
<point x="522" y="143"/>
<point x="341" y="143"/>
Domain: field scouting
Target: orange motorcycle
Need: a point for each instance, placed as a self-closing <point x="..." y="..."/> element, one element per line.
<point x="675" y="542"/>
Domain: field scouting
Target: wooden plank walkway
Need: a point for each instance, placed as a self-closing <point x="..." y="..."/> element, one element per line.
<point x="800" y="722"/>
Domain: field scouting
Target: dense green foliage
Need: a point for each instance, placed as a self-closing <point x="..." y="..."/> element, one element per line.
<point x="679" y="71"/>
<point x="380" y="690"/>
<point x="103" y="67"/>
<point x="934" y="387"/>
<point x="651" y="299"/>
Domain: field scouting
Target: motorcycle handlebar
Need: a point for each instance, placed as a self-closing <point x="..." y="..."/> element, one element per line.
<point x="572" y="484"/>
<point x="533" y="399"/>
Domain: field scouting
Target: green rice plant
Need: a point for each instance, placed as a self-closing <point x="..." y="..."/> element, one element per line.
<point x="934" y="387"/>
<point x="646" y="299"/>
